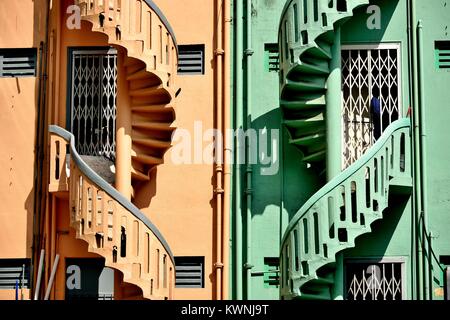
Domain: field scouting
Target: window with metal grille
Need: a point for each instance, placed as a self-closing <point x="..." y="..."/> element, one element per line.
<point x="442" y="53"/>
<point x="375" y="279"/>
<point x="18" y="62"/>
<point x="14" y="271"/>
<point x="271" y="272"/>
<point x="191" y="59"/>
<point x="369" y="73"/>
<point x="93" y="100"/>
<point x="271" y="57"/>
<point x="189" y="272"/>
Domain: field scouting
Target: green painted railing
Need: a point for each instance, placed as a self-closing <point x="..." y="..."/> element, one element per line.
<point x="342" y="210"/>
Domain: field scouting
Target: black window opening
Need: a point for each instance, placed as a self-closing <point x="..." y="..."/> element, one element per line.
<point x="88" y="279"/>
<point x="271" y="272"/>
<point x="272" y="57"/>
<point x="191" y="59"/>
<point x="189" y="272"/>
<point x="14" y="272"/>
<point x="442" y="53"/>
<point x="18" y="62"/>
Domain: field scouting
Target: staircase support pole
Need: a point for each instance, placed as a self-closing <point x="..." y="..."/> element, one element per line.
<point x="334" y="132"/>
<point x="333" y="110"/>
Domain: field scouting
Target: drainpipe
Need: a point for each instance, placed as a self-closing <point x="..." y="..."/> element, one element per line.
<point x="248" y="171"/>
<point x="423" y="162"/>
<point x="333" y="134"/>
<point x="410" y="28"/>
<point x="58" y="118"/>
<point x="40" y="148"/>
<point x="417" y="171"/>
<point x="238" y="125"/>
<point x="218" y="265"/>
<point x="227" y="149"/>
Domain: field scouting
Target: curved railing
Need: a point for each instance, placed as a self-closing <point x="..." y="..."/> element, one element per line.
<point x="112" y="226"/>
<point x="342" y="210"/>
<point x="306" y="37"/>
<point x="151" y="65"/>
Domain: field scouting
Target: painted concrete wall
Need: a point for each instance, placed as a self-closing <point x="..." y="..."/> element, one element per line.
<point x="22" y="25"/>
<point x="435" y="18"/>
<point x="392" y="236"/>
<point x="179" y="198"/>
<point x="66" y="245"/>
<point x="276" y="198"/>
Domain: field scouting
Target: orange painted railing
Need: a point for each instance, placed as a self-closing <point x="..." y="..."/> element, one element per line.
<point x="112" y="226"/>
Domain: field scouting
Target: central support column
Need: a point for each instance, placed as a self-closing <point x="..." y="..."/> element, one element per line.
<point x="334" y="133"/>
<point x="334" y="111"/>
<point x="123" y="131"/>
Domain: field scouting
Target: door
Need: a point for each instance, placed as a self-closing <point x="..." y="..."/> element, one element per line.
<point x="93" y="101"/>
<point x="368" y="71"/>
<point x="375" y="279"/>
<point x="88" y="279"/>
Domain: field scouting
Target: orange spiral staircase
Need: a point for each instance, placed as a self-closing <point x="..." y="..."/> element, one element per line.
<point x="113" y="226"/>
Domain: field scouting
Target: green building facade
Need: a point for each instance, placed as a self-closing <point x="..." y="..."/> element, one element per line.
<point x="348" y="214"/>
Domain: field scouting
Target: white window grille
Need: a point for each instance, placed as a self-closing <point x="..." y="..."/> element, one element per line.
<point x="368" y="69"/>
<point x="375" y="279"/>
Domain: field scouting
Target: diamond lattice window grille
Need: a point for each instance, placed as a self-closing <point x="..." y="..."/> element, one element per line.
<point x="93" y="101"/>
<point x="375" y="280"/>
<point x="366" y="70"/>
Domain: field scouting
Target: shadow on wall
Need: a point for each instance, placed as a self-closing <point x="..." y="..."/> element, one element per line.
<point x="293" y="183"/>
<point x="356" y="28"/>
<point x="37" y="200"/>
<point x="146" y="191"/>
<point x="376" y="243"/>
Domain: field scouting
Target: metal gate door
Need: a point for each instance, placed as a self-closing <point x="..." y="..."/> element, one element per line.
<point x="93" y="101"/>
<point x="367" y="70"/>
<point x="375" y="279"/>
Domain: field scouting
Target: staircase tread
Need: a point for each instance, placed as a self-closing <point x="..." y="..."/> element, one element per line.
<point x="309" y="296"/>
<point x="147" y="90"/>
<point x="152" y="142"/>
<point x="308" y="140"/>
<point x="153" y="125"/>
<point x="147" y="159"/>
<point x="305" y="123"/>
<point x="152" y="108"/>
<point x="315" y="157"/>
<point x="319" y="52"/>
<point x="139" y="175"/>
<point x="309" y="68"/>
<point x="303" y="86"/>
<point x="300" y="105"/>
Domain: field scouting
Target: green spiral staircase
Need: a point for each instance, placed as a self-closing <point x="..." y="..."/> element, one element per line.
<point x="344" y="209"/>
<point x="306" y="36"/>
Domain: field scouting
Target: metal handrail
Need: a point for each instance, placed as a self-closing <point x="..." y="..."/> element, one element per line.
<point x="361" y="162"/>
<point x="101" y="183"/>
